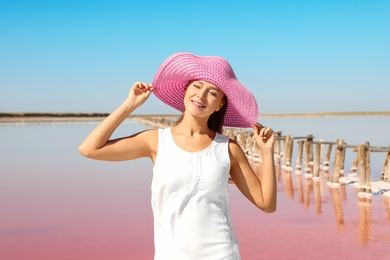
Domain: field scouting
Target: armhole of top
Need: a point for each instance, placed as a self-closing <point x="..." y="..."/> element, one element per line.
<point x="160" y="141"/>
<point x="225" y="140"/>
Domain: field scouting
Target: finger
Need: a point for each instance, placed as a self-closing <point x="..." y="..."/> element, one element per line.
<point x="143" y="86"/>
<point x="256" y="129"/>
<point x="263" y="132"/>
<point x="260" y="126"/>
<point x="266" y="132"/>
<point x="259" y="129"/>
<point x="150" y="87"/>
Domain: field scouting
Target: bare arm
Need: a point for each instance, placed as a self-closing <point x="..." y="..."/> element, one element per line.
<point x="98" y="145"/>
<point x="261" y="192"/>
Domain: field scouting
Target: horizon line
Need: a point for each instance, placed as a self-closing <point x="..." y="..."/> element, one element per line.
<point x="92" y="114"/>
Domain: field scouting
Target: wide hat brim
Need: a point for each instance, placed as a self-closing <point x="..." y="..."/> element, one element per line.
<point x="178" y="69"/>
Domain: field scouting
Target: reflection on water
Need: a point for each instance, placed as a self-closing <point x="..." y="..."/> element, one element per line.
<point x="340" y="197"/>
<point x="338" y="207"/>
<point x="365" y="220"/>
<point x="55" y="204"/>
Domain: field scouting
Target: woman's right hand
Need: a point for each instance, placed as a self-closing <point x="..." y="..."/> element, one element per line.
<point x="139" y="93"/>
<point x="98" y="145"/>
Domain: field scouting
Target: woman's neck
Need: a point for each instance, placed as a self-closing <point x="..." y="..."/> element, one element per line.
<point x="193" y="126"/>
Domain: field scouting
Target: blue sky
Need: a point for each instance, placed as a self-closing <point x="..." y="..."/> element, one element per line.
<point x="295" y="56"/>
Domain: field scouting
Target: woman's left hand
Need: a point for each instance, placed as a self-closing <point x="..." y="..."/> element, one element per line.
<point x="264" y="136"/>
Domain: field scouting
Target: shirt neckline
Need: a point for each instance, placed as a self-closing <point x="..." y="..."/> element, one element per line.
<point x="196" y="152"/>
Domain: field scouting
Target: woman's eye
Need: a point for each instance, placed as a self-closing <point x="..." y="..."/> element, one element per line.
<point x="213" y="94"/>
<point x="196" y="86"/>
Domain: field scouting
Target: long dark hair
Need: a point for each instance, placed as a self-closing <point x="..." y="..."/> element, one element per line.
<point x="215" y="121"/>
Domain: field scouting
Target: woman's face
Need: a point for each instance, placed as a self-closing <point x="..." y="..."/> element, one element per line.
<point x="203" y="98"/>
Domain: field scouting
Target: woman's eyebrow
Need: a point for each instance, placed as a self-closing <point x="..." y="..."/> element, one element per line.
<point x="216" y="89"/>
<point x="211" y="87"/>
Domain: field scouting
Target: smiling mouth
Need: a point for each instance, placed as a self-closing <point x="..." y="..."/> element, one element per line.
<point x="198" y="104"/>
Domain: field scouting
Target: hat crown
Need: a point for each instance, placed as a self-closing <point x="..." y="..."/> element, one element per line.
<point x="211" y="66"/>
<point x="180" y="68"/>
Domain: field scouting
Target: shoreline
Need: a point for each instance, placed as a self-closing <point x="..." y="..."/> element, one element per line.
<point x="70" y="118"/>
<point x="12" y="116"/>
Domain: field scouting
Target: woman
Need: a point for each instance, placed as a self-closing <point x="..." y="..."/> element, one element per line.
<point x="193" y="160"/>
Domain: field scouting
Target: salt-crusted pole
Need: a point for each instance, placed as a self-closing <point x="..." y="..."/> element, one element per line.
<point x="287" y="151"/>
<point x="364" y="168"/>
<point x="327" y="157"/>
<point x="385" y="173"/>
<point x="298" y="165"/>
<point x="308" y="146"/>
<point x="355" y="163"/>
<point x="278" y="137"/>
<point x="317" y="161"/>
<point x="338" y="160"/>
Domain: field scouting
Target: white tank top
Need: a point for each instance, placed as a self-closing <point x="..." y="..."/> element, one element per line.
<point x="190" y="201"/>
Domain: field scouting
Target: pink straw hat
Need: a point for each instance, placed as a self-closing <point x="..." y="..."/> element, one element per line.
<point x="178" y="69"/>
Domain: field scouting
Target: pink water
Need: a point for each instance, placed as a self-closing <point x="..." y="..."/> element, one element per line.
<point x="55" y="204"/>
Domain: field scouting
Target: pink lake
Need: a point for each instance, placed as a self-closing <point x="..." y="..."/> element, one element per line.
<point x="55" y="204"/>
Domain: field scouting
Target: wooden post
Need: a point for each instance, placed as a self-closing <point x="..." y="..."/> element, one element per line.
<point x="310" y="139"/>
<point x="343" y="157"/>
<point x="286" y="138"/>
<point x="321" y="153"/>
<point x="308" y="147"/>
<point x="364" y="168"/>
<point x="338" y="160"/>
<point x="368" y="167"/>
<point x="327" y="157"/>
<point x="317" y="161"/>
<point x="278" y="135"/>
<point x="287" y="151"/>
<point x="355" y="163"/>
<point x="299" y="155"/>
<point x="307" y="156"/>
<point x="361" y="150"/>
<point x="385" y="173"/>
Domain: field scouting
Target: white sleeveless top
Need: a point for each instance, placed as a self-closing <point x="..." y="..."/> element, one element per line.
<point x="190" y="201"/>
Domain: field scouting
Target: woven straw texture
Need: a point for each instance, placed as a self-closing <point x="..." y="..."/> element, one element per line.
<point x="178" y="69"/>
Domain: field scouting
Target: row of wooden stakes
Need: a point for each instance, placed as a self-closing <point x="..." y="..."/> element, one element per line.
<point x="309" y="153"/>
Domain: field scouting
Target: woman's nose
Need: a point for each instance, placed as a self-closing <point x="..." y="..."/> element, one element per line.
<point x="201" y="95"/>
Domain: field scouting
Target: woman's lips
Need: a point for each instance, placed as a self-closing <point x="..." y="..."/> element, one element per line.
<point x="198" y="104"/>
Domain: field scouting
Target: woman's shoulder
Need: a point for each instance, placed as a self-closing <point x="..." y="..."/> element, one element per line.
<point x="148" y="132"/>
<point x="235" y="149"/>
<point x="151" y="135"/>
<point x="148" y="136"/>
